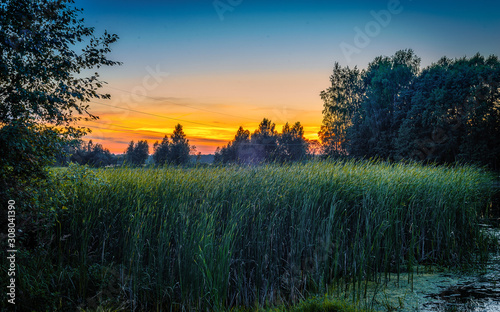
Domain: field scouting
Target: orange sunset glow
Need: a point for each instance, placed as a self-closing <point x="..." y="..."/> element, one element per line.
<point x="136" y="112"/>
<point x="213" y="71"/>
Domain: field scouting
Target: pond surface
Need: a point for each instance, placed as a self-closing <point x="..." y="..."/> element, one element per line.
<point x="471" y="293"/>
<point x="444" y="291"/>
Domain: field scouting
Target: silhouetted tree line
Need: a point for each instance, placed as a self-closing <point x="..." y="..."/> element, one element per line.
<point x="265" y="145"/>
<point x="173" y="152"/>
<point x="136" y="154"/>
<point x="447" y="112"/>
<point x="94" y="155"/>
<point x="84" y="153"/>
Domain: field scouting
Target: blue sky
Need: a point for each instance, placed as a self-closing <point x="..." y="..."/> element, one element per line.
<point x="234" y="62"/>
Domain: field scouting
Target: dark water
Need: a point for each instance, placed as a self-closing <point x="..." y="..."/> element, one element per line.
<point x="445" y="292"/>
<point x="479" y="292"/>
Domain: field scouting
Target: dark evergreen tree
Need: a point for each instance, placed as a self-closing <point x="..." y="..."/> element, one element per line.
<point x="137" y="154"/>
<point x="161" y="151"/>
<point x="179" y="147"/>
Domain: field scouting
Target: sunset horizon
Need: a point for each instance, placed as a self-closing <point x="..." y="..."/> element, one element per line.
<point x="214" y="66"/>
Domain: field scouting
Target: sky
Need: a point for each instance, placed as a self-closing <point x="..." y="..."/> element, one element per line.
<point x="215" y="65"/>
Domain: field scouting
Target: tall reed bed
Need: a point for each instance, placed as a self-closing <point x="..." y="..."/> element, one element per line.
<point x="219" y="237"/>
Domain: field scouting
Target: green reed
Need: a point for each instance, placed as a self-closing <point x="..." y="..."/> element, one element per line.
<point x="220" y="237"/>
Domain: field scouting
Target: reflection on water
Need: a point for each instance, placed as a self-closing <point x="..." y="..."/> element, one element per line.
<point x="436" y="292"/>
<point x="474" y="293"/>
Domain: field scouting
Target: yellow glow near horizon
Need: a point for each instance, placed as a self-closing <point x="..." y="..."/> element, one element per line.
<point x="206" y="140"/>
<point x="209" y="120"/>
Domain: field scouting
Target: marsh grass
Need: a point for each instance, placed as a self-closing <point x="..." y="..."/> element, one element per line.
<point x="222" y="237"/>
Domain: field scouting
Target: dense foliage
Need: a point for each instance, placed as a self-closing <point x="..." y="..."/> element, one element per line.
<point x="175" y="152"/>
<point x="447" y="112"/>
<point x="42" y="89"/>
<point x="136" y="154"/>
<point x="93" y="155"/>
<point x="220" y="237"/>
<point x="265" y="145"/>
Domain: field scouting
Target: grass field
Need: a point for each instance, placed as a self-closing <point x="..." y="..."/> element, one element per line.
<point x="224" y="237"/>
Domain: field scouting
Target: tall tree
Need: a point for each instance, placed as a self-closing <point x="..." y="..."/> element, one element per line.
<point x="481" y="118"/>
<point x="264" y="141"/>
<point x="455" y="113"/>
<point x="141" y="151"/>
<point x="238" y="150"/>
<point x="42" y="89"/>
<point x="447" y="112"/>
<point x="137" y="154"/>
<point x="265" y="145"/>
<point x="292" y="145"/>
<point x="341" y="101"/>
<point x="376" y="122"/>
<point x="161" y="151"/>
<point x="179" y="148"/>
